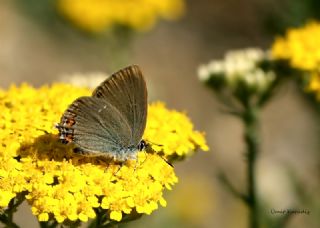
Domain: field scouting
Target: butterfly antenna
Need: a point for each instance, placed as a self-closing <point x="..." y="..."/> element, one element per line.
<point x="155" y="143"/>
<point x="161" y="156"/>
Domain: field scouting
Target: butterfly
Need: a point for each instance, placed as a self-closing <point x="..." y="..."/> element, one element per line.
<point x="112" y="121"/>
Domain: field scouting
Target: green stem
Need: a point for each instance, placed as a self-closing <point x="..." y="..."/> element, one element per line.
<point x="101" y="220"/>
<point x="251" y="122"/>
<point x="98" y="221"/>
<point x="48" y="224"/>
<point x="11" y="209"/>
<point x="7" y="217"/>
<point x="225" y="181"/>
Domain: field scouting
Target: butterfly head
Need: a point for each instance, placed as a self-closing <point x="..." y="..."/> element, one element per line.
<point x="142" y="145"/>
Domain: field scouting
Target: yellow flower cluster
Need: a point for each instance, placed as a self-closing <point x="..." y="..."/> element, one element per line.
<point x="171" y="132"/>
<point x="98" y="15"/>
<point x="64" y="186"/>
<point x="300" y="46"/>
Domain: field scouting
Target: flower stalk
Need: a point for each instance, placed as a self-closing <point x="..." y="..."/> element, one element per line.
<point x="48" y="224"/>
<point x="244" y="81"/>
<point x="251" y="124"/>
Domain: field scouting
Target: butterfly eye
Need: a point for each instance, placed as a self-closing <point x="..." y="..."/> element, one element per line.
<point x="142" y="145"/>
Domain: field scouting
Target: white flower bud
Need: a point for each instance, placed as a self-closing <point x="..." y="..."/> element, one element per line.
<point x="240" y="66"/>
<point x="203" y="73"/>
<point x="216" y="67"/>
<point x="90" y="80"/>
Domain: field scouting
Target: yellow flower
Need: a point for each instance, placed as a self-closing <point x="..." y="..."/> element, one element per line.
<point x="62" y="185"/>
<point x="5" y="197"/>
<point x="314" y="84"/>
<point x="98" y="15"/>
<point x="300" y="46"/>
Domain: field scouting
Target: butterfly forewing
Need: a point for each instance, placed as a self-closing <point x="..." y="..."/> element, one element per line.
<point x="126" y="90"/>
<point x="113" y="120"/>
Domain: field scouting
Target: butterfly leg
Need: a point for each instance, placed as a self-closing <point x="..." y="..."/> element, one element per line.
<point x="80" y="151"/>
<point x="120" y="166"/>
<point x="146" y="156"/>
<point x="136" y="164"/>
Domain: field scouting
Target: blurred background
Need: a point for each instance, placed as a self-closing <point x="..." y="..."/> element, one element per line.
<point x="39" y="45"/>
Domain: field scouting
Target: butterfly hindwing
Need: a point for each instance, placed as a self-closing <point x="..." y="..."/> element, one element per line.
<point x="95" y="126"/>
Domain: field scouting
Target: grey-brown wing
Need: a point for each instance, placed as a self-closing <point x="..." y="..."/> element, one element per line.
<point x="126" y="90"/>
<point x="95" y="126"/>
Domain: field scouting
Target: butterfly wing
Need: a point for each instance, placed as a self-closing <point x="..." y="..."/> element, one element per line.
<point x="95" y="125"/>
<point x="126" y="91"/>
